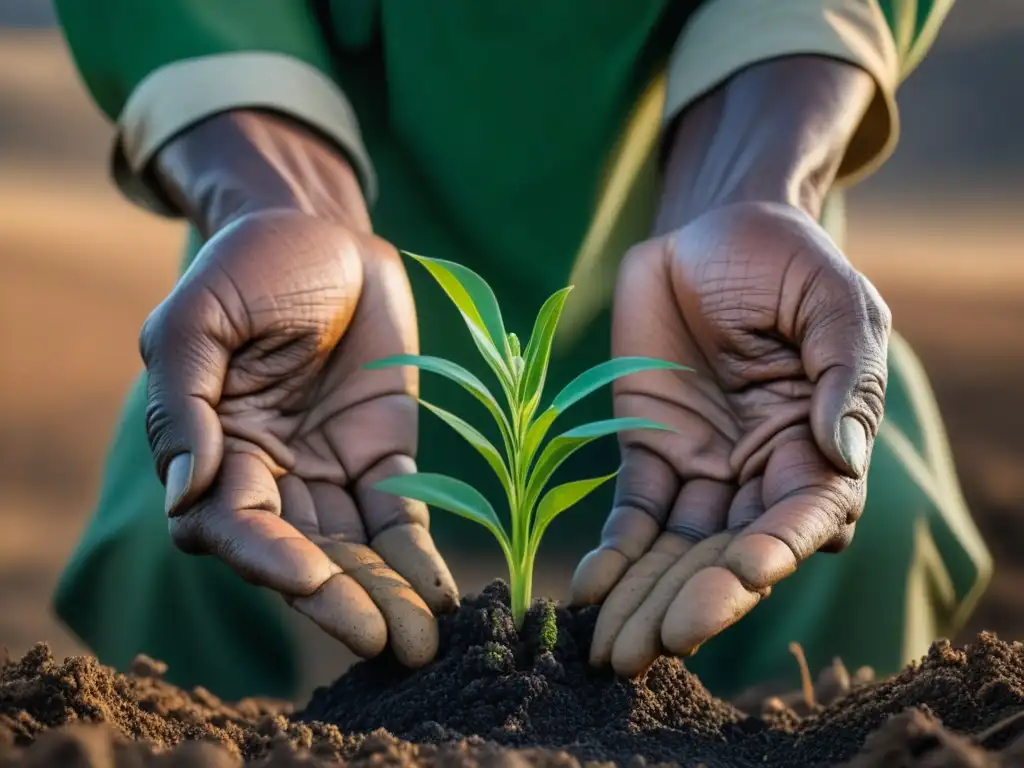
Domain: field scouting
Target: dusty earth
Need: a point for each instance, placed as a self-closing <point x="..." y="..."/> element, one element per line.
<point x="498" y="697"/>
<point x="79" y="270"/>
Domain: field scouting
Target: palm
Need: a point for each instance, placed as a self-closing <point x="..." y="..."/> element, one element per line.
<point x="261" y="359"/>
<point x="788" y="343"/>
<point x="319" y="421"/>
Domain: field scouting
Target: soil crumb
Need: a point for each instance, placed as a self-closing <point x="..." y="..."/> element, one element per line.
<point x="495" y="697"/>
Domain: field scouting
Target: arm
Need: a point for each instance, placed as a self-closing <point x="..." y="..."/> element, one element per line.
<point x="781" y="102"/>
<point x="777" y="132"/>
<point x="242" y="162"/>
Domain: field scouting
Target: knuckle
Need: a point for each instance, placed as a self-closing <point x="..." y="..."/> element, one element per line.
<point x="158" y="426"/>
<point x="403" y="512"/>
<point x="637" y="499"/>
<point x="878" y="310"/>
<point x="689" y="530"/>
<point x="146" y="339"/>
<point x="871" y="387"/>
<point x="881" y="315"/>
<point x="840" y="541"/>
<point x="855" y="503"/>
<point x="166" y="331"/>
<point x="153" y="333"/>
<point x="640" y="257"/>
<point x="385" y="252"/>
<point x="630" y="532"/>
<point x="837" y="499"/>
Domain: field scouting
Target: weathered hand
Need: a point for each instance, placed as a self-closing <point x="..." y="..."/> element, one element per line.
<point x="773" y="431"/>
<point x="270" y="434"/>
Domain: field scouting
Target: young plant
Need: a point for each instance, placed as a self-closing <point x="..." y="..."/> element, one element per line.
<point x="527" y="463"/>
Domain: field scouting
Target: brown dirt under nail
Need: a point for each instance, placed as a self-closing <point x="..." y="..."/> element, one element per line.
<point x="495" y="697"/>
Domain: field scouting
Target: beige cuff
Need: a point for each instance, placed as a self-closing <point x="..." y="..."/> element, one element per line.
<point x="180" y="94"/>
<point x="726" y="36"/>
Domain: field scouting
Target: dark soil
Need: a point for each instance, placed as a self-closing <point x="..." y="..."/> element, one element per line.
<point x="498" y="698"/>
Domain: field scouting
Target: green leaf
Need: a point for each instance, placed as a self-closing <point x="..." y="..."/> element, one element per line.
<point x="448" y="494"/>
<point x="608" y="371"/>
<point x="538" y="350"/>
<point x="456" y="373"/>
<point x="567" y="443"/>
<point x="473" y="296"/>
<point x="559" y="499"/>
<point x="477" y="440"/>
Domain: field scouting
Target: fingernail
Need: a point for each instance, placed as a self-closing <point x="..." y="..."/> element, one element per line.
<point x="179" y="478"/>
<point x="853" y="444"/>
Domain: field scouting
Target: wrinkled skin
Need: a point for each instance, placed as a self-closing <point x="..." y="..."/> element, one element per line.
<point x="773" y="429"/>
<point x="270" y="435"/>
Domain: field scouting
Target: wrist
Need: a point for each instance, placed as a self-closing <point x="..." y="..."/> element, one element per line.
<point x="776" y="133"/>
<point x="243" y="162"/>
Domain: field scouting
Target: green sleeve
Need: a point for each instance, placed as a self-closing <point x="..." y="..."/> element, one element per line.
<point x="157" y="67"/>
<point x="915" y="25"/>
<point x="117" y="43"/>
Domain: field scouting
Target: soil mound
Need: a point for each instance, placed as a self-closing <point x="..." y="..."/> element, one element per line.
<point x="531" y="690"/>
<point x="495" y="697"/>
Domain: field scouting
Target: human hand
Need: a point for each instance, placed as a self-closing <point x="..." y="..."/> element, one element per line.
<point x="772" y="433"/>
<point x="269" y="434"/>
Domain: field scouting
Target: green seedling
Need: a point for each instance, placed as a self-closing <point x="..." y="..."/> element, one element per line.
<point x="526" y="465"/>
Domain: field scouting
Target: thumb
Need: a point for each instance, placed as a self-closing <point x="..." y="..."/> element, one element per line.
<point x="844" y="352"/>
<point x="186" y="366"/>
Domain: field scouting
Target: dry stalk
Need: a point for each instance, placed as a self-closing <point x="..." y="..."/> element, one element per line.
<point x="805" y="675"/>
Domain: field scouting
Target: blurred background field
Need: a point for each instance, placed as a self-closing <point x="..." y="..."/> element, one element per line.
<point x="940" y="231"/>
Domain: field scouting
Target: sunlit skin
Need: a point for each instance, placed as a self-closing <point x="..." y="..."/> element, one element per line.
<point x="256" y="381"/>
<point x="256" y="384"/>
<point x="766" y="464"/>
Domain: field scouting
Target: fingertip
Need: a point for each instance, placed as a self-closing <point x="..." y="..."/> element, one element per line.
<point x="638" y="644"/>
<point x="630" y="659"/>
<point x="345" y="611"/>
<point x="759" y="559"/>
<point x="595" y="576"/>
<point x="840" y="541"/>
<point x="713" y="600"/>
<point x="609" y="621"/>
<point x="618" y="629"/>
<point x="411" y="551"/>
<point x="411" y="626"/>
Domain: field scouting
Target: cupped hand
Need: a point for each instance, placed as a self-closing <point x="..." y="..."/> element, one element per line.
<point x="269" y="434"/>
<point x="772" y="431"/>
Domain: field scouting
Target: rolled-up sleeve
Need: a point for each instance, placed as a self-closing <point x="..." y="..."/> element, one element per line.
<point x="157" y="68"/>
<point x="882" y="38"/>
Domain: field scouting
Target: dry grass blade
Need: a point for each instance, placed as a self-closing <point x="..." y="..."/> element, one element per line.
<point x="805" y="675"/>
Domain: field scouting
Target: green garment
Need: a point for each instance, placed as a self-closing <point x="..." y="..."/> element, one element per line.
<point x="489" y="135"/>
